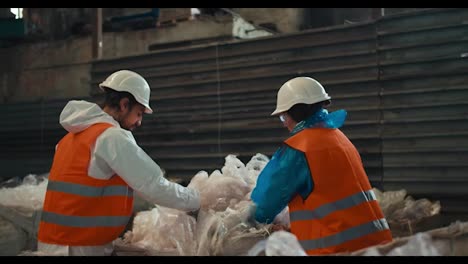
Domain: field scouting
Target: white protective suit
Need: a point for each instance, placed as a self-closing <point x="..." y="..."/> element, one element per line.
<point x="116" y="152"/>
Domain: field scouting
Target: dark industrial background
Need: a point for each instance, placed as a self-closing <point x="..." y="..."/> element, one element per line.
<point x="402" y="75"/>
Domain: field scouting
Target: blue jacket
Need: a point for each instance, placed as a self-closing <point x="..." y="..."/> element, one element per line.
<point x="287" y="173"/>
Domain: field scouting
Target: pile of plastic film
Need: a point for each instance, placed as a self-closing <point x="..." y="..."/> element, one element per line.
<point x="403" y="212"/>
<point x="220" y="228"/>
<point x="27" y="193"/>
<point x="20" y="198"/>
<point x="446" y="241"/>
<point x="280" y="243"/>
<point x="451" y="240"/>
<point x="163" y="231"/>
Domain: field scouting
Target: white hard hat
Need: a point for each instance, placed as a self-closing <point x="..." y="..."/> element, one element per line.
<point x="299" y="90"/>
<point x="132" y="82"/>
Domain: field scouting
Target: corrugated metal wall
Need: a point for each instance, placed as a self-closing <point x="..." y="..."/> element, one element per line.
<point x="28" y="133"/>
<point x="215" y="100"/>
<point x="424" y="86"/>
<point x="402" y="79"/>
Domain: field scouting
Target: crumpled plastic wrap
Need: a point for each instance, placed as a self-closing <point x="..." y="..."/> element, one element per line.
<point x="29" y="194"/>
<point x="219" y="190"/>
<point x="228" y="233"/>
<point x="19" y="198"/>
<point x="283" y="218"/>
<point x="280" y="243"/>
<point x="12" y="239"/>
<point x="163" y="231"/>
<point x="7" y="230"/>
<point x="229" y="186"/>
<point x="446" y="241"/>
<point x="221" y="227"/>
<point x="254" y="167"/>
<point x="399" y="208"/>
<point x="419" y="245"/>
<point x="451" y="240"/>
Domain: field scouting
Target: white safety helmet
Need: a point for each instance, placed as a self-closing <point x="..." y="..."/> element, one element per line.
<point x="132" y="82"/>
<point x="299" y="90"/>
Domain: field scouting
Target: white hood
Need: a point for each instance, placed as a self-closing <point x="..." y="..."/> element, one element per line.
<point x="116" y="152"/>
<point x="76" y="116"/>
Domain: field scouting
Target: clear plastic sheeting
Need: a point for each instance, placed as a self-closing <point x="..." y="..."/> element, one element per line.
<point x="228" y="233"/>
<point x="390" y="201"/>
<point x="280" y="243"/>
<point x="7" y="230"/>
<point x="218" y="191"/>
<point x="400" y="209"/>
<point x="420" y="244"/>
<point x="229" y="186"/>
<point x="447" y="241"/>
<point x="283" y="243"/>
<point x="283" y="218"/>
<point x="28" y="195"/>
<point x="20" y="200"/>
<point x="254" y="167"/>
<point x="163" y="231"/>
<point x="221" y="227"/>
<point x="12" y="239"/>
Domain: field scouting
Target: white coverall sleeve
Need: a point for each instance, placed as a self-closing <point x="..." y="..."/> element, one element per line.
<point x="119" y="149"/>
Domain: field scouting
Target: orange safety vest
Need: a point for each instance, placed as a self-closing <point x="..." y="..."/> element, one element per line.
<point x="80" y="210"/>
<point x="341" y="214"/>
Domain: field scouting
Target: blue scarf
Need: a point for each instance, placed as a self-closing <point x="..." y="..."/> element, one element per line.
<point x="323" y="119"/>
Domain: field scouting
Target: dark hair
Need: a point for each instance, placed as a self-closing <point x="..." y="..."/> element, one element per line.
<point x="300" y="112"/>
<point x="112" y="98"/>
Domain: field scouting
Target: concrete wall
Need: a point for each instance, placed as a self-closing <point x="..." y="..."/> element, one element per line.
<point x="61" y="68"/>
<point x="326" y="17"/>
<point x="58" y="69"/>
<point x="61" y="23"/>
<point x="286" y="19"/>
<point x="124" y="44"/>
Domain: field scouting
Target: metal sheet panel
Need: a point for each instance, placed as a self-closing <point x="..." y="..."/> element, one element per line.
<point x="424" y="105"/>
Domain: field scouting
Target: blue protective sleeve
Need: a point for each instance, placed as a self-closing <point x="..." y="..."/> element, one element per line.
<point x="286" y="175"/>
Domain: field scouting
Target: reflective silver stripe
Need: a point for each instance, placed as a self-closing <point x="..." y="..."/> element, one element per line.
<point x="327" y="209"/>
<point x="84" y="221"/>
<point x="346" y="235"/>
<point x="90" y="191"/>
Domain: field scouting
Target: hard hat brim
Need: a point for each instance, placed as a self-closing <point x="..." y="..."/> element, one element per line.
<point x="148" y="109"/>
<point x="284" y="108"/>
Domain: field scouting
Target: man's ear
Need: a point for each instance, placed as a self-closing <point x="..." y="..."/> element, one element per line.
<point x="124" y="103"/>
